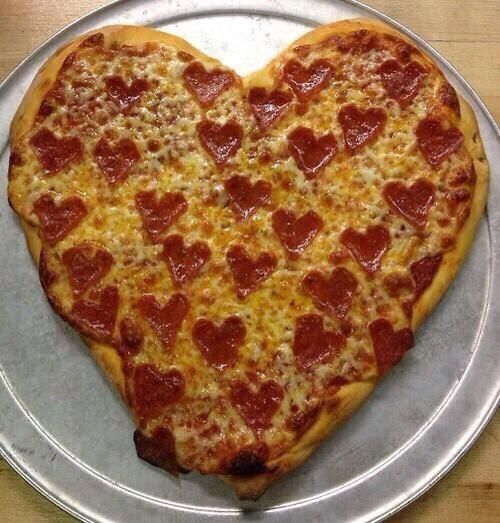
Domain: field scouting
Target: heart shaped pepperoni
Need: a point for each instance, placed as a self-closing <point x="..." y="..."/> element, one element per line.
<point x="256" y="408"/>
<point x="96" y="317"/>
<point x="368" y="247"/>
<point x="448" y="97"/>
<point x="116" y="161"/>
<point x="220" y="141"/>
<point x="334" y="294"/>
<point x="307" y="81"/>
<point x="55" y="153"/>
<point x="87" y="264"/>
<point x="296" y="233"/>
<point x="56" y="221"/>
<point x="125" y="95"/>
<point x="155" y="389"/>
<point x="268" y="107"/>
<point x="360" y="126"/>
<point x="312" y="344"/>
<point x="413" y="202"/>
<point x="249" y="274"/>
<point x="205" y="85"/>
<point x="311" y="154"/>
<point x="245" y="198"/>
<point x="219" y="344"/>
<point x="166" y="320"/>
<point x="437" y="142"/>
<point x="389" y="345"/>
<point x="423" y="272"/>
<point x="402" y="83"/>
<point x="159" y="213"/>
<point x="184" y="262"/>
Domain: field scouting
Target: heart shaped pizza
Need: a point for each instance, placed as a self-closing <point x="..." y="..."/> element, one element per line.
<point x="245" y="257"/>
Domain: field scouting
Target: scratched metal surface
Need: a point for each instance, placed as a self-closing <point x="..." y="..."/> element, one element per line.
<point x="65" y="430"/>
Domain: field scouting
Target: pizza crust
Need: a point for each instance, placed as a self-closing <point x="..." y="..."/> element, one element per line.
<point x="349" y="397"/>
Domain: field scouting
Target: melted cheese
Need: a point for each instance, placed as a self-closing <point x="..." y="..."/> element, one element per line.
<point x="346" y="194"/>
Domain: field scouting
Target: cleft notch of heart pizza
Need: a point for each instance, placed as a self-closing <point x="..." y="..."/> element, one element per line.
<point x="245" y="257"/>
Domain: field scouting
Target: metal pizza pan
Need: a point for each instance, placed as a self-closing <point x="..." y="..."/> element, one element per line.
<point x="67" y="433"/>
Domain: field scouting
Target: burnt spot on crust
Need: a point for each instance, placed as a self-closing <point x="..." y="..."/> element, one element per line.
<point x="95" y="40"/>
<point x="250" y="460"/>
<point x="448" y="97"/>
<point x="158" y="450"/>
<point x="15" y="160"/>
<point x="47" y="277"/>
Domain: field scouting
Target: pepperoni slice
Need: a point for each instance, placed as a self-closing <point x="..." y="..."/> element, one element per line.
<point x="396" y="284"/>
<point x="166" y="320"/>
<point x="412" y="203"/>
<point x="389" y="345"/>
<point x="68" y="62"/>
<point x="268" y="107"/>
<point x="256" y="408"/>
<point x="246" y="197"/>
<point x="247" y="273"/>
<point x="53" y="153"/>
<point x="306" y="82"/>
<point x="116" y="161"/>
<point x="369" y="247"/>
<point x="220" y="141"/>
<point x="155" y="389"/>
<point x="184" y="262"/>
<point x="334" y="294"/>
<point x="360" y="126"/>
<point x="423" y="272"/>
<point x="402" y="82"/>
<point x="448" y="96"/>
<point x="296" y="234"/>
<point x="131" y="336"/>
<point x="219" y="344"/>
<point x="123" y="95"/>
<point x="301" y="420"/>
<point x="357" y="42"/>
<point x="57" y="221"/>
<point x="205" y="85"/>
<point x="87" y="264"/>
<point x="185" y="57"/>
<point x="96" y="317"/>
<point x="312" y="344"/>
<point x="158" y="449"/>
<point x="158" y="214"/>
<point x="436" y="142"/>
<point x="94" y="40"/>
<point x="311" y="154"/>
<point x="55" y="96"/>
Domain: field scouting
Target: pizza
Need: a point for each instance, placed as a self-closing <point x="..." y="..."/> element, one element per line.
<point x="245" y="257"/>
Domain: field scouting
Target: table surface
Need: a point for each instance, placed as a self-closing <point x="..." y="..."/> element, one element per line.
<point x="467" y="33"/>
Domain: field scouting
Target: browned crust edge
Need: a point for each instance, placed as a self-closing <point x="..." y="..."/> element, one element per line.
<point x="349" y="397"/>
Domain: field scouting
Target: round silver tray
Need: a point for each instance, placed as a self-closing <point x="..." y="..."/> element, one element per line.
<point x="67" y="433"/>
